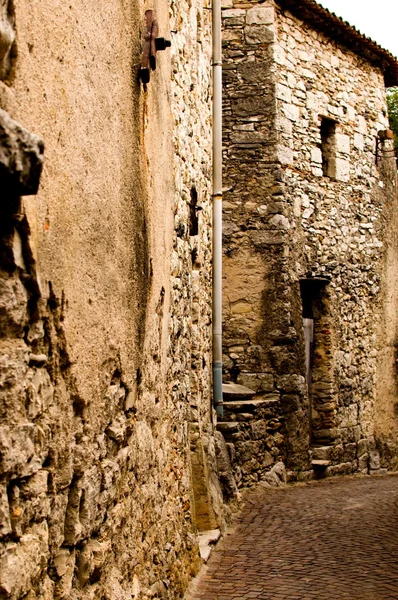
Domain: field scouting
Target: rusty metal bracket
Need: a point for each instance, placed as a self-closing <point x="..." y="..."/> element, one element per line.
<point x="383" y="136"/>
<point x="152" y="45"/>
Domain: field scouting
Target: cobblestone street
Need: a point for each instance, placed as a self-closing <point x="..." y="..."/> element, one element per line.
<point x="328" y="540"/>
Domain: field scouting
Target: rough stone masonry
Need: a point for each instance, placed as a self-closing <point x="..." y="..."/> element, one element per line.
<point x="310" y="247"/>
<point x="107" y="447"/>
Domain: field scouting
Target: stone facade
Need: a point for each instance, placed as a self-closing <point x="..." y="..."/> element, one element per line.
<point x="107" y="448"/>
<point x="109" y="460"/>
<point x="309" y="204"/>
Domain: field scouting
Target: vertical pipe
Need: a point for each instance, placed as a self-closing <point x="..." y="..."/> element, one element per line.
<point x="217" y="209"/>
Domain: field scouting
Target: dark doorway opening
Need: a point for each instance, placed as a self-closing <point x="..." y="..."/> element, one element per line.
<point x="318" y="336"/>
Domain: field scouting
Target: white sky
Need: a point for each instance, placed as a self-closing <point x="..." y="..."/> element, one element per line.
<point x="378" y="19"/>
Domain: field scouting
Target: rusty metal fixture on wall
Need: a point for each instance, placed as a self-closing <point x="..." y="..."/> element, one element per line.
<point x="383" y="136"/>
<point x="152" y="44"/>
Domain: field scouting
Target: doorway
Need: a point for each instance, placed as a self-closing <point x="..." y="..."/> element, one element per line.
<point x="319" y="343"/>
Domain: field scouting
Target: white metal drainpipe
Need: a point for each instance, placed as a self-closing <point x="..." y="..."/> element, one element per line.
<point x="217" y="209"/>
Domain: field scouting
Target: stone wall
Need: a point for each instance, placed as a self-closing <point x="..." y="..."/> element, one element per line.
<point x="305" y="208"/>
<point x="104" y="309"/>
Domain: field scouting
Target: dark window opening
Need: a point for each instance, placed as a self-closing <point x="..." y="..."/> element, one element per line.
<point x="194" y="221"/>
<point x="328" y="147"/>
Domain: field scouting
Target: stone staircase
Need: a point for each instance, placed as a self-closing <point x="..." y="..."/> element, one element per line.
<point x="321" y="458"/>
<point x="240" y="406"/>
<point x="250" y="423"/>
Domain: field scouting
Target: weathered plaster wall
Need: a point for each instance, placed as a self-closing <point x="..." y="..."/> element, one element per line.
<point x="105" y="305"/>
<point x="296" y="223"/>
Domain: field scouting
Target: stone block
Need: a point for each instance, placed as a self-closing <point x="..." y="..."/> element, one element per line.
<point x="279" y="55"/>
<point x="317" y="171"/>
<point x="316" y="155"/>
<point x="241" y="308"/>
<point x="40" y="392"/>
<point x="259" y="34"/>
<point x="260" y="15"/>
<point x="256" y="73"/>
<point x="322" y="452"/>
<point x="363" y="463"/>
<point x="284" y="125"/>
<point x="308" y="74"/>
<point x="233" y="391"/>
<point x="21" y="161"/>
<point x="248" y="450"/>
<point x="291" y="403"/>
<point x="342" y="469"/>
<point x="283" y="92"/>
<point x="248" y="137"/>
<point x="291" y="111"/>
<point x="232" y="13"/>
<point x="359" y="141"/>
<point x="246" y="107"/>
<point x="362" y="447"/>
<point x="64" y="563"/>
<point x="16" y="447"/>
<point x="231" y="35"/>
<point x="318" y="464"/>
<point x="284" y="155"/>
<point x="272" y="478"/>
<point x="280" y="471"/>
<point x="341" y="169"/>
<point x="292" y="384"/>
<point x="5" y="520"/>
<point x="362" y="126"/>
<point x="83" y="507"/>
<point x="242" y="417"/>
<point x="7" y="37"/>
<point x="342" y="143"/>
<point x="228" y="485"/>
<point x="28" y="502"/>
<point x="234" y="16"/>
<point x="228" y="427"/>
<point x="91" y="560"/>
<point x="13" y="305"/>
<point x="260" y="382"/>
<point x="374" y="460"/>
<point x="279" y="222"/>
<point x="262" y="239"/>
<point x="21" y="563"/>
<point x="350" y="452"/>
<point x="316" y="102"/>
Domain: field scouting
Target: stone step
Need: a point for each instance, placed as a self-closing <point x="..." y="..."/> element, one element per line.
<point x="207" y="541"/>
<point x="228" y="427"/>
<point x="249" y="405"/>
<point x="320" y="464"/>
<point x="321" y="452"/>
<point x="323" y="441"/>
<point x="234" y="391"/>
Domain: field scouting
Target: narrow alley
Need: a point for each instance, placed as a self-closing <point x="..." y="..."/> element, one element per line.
<point x="328" y="540"/>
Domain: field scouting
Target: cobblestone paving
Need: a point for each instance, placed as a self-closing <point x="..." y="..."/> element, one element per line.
<point x="330" y="540"/>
